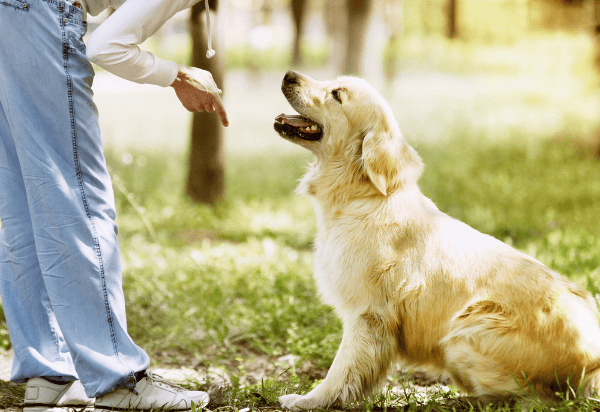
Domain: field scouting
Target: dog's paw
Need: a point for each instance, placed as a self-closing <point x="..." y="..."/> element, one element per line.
<point x="297" y="403"/>
<point x="289" y="402"/>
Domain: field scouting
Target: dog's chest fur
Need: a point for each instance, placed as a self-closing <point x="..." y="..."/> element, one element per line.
<point x="360" y="251"/>
<point x="339" y="265"/>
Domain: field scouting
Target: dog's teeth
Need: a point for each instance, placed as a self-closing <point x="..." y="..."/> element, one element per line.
<point x="314" y="127"/>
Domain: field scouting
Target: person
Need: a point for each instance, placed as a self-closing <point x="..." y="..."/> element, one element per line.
<point x="60" y="274"/>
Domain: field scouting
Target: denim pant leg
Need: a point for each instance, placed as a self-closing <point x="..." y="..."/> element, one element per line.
<point x="45" y="92"/>
<point x="40" y="349"/>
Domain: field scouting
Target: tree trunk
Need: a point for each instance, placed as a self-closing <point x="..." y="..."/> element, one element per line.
<point x="597" y="59"/>
<point x="359" y="13"/>
<point x="597" y="36"/>
<point x="335" y="16"/>
<point x="299" y="16"/>
<point x="206" y="174"/>
<point x="452" y="19"/>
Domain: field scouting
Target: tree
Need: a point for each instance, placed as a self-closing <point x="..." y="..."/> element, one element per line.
<point x="452" y="33"/>
<point x="299" y="16"/>
<point x="597" y="55"/>
<point x="597" y="34"/>
<point x="206" y="174"/>
<point x="359" y="13"/>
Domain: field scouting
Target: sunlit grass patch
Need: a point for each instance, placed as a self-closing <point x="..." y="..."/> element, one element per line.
<point x="217" y="281"/>
<point x="216" y="296"/>
<point x="220" y="286"/>
<point x="518" y="188"/>
<point x="541" y="54"/>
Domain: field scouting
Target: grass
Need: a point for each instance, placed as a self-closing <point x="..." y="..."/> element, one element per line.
<point x="235" y="280"/>
<point x="238" y="276"/>
<point x="228" y="290"/>
<point x="226" y="285"/>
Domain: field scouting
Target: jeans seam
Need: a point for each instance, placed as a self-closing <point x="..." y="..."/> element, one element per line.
<point x="26" y="9"/>
<point x="56" y="3"/>
<point x="79" y="175"/>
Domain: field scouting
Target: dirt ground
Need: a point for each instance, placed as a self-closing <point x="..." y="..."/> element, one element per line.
<point x="5" y="363"/>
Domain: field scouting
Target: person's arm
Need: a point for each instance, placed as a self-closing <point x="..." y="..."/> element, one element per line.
<point x="114" y="46"/>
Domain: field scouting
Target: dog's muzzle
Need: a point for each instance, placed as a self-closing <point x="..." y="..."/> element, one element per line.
<point x="297" y="126"/>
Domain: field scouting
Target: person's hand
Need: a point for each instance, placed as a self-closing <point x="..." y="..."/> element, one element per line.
<point x="197" y="91"/>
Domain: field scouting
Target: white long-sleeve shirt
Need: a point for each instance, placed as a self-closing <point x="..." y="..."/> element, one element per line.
<point x="114" y="45"/>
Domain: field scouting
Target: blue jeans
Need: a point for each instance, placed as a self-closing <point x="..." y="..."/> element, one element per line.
<point x="60" y="274"/>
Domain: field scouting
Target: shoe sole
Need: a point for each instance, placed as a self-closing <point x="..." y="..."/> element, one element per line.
<point x="69" y="408"/>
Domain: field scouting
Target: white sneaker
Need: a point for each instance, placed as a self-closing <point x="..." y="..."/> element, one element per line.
<point x="153" y="392"/>
<point x="44" y="396"/>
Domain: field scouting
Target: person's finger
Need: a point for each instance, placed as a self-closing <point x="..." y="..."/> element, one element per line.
<point x="216" y="98"/>
<point x="218" y="105"/>
<point x="209" y="107"/>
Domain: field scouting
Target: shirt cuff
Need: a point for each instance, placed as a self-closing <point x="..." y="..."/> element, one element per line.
<point x="164" y="74"/>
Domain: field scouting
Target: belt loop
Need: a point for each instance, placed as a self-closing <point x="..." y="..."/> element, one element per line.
<point x="80" y="7"/>
<point x="72" y="5"/>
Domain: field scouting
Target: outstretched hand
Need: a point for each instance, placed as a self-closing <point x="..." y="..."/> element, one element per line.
<point x="197" y="91"/>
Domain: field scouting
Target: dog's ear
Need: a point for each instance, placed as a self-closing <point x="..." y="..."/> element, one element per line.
<point x="388" y="160"/>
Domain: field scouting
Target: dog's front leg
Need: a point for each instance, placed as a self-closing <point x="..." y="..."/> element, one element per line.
<point x="365" y="354"/>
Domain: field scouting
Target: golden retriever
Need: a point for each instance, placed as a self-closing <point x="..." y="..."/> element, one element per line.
<point x="413" y="285"/>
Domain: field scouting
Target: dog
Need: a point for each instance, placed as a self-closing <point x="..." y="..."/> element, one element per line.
<point x="413" y="285"/>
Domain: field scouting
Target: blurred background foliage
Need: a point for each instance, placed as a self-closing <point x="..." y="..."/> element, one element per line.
<point x="500" y="97"/>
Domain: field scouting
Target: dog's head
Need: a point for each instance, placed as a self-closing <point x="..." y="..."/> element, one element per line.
<point x="353" y="133"/>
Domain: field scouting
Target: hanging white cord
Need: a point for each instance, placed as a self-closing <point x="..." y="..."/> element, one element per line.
<point x="210" y="53"/>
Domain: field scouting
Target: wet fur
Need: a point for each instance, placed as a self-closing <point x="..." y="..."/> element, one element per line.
<point x="414" y="285"/>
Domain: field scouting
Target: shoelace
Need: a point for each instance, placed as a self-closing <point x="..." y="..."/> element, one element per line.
<point x="210" y="53"/>
<point x="159" y="379"/>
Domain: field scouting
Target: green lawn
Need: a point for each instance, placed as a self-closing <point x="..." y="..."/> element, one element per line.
<point x="222" y="286"/>
<point x="230" y="287"/>
<point x="234" y="282"/>
<point x="213" y="280"/>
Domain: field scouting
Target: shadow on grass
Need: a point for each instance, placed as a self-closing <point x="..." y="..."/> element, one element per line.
<point x="11" y="396"/>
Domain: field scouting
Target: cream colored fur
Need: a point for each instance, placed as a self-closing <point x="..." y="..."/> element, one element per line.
<point x="414" y="285"/>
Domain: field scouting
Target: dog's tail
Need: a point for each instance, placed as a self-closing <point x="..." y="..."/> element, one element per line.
<point x="592" y="384"/>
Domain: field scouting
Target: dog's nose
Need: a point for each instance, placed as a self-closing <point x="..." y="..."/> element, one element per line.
<point x="291" y="77"/>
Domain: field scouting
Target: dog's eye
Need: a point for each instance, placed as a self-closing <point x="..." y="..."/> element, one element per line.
<point x="337" y="95"/>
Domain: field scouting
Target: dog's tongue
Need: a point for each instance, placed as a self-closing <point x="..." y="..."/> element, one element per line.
<point x="295" y="120"/>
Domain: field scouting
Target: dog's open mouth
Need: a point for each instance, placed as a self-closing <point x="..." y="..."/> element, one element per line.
<point x="298" y="126"/>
